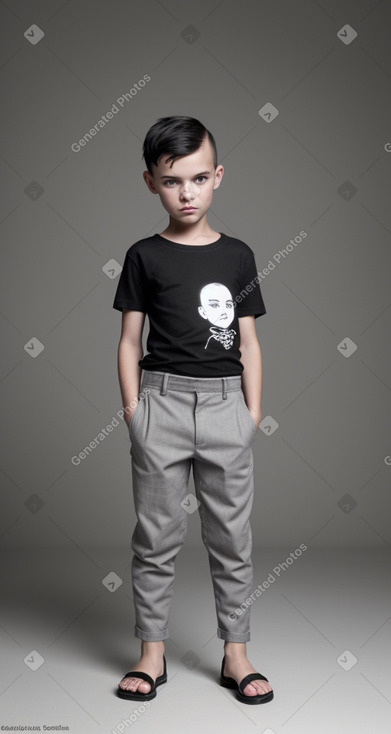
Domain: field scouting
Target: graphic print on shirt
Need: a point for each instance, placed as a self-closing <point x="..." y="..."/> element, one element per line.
<point x="217" y="307"/>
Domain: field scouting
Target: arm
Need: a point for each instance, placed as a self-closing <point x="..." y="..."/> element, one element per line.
<point x="251" y="360"/>
<point x="130" y="351"/>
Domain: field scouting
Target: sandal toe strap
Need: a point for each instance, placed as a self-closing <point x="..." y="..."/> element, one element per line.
<point x="249" y="678"/>
<point x="140" y="674"/>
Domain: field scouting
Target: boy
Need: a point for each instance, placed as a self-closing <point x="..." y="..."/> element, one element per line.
<point x="197" y="404"/>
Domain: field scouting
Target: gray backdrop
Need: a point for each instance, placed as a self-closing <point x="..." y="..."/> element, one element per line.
<point x="300" y="108"/>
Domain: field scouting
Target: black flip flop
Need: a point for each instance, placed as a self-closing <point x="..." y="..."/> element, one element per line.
<point x="228" y="682"/>
<point x="138" y="695"/>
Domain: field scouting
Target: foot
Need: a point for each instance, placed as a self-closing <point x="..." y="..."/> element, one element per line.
<point x="237" y="666"/>
<point x="151" y="662"/>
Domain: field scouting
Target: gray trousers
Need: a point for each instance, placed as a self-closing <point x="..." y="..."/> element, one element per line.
<point x="182" y="422"/>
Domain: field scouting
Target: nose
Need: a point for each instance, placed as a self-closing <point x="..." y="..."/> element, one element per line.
<point x="186" y="194"/>
<point x="189" y="190"/>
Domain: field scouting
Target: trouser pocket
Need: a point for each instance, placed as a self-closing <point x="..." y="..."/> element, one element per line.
<point x="139" y="409"/>
<point x="247" y="421"/>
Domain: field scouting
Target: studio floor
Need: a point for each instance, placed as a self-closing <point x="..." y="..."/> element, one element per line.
<point x="321" y="634"/>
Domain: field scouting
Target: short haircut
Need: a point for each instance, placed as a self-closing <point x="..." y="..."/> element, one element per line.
<point x="177" y="135"/>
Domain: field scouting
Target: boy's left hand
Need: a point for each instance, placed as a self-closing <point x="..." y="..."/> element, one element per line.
<point x="256" y="416"/>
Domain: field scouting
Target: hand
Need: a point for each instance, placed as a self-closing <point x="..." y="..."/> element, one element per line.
<point x="256" y="416"/>
<point x="129" y="416"/>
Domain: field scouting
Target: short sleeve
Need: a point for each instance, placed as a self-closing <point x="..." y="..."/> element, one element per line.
<point x="249" y="299"/>
<point x="132" y="292"/>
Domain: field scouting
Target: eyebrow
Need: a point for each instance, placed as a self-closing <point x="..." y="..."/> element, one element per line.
<point x="177" y="178"/>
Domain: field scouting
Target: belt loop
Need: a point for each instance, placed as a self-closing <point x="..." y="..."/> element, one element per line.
<point x="163" y="390"/>
<point x="224" y="388"/>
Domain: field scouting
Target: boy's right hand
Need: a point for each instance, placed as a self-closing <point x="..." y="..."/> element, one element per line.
<point x="129" y="416"/>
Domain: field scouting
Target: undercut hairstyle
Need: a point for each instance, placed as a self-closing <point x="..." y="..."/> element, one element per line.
<point x="175" y="136"/>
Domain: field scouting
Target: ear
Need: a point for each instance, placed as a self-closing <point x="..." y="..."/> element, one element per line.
<point x="202" y="313"/>
<point x="219" y="172"/>
<point x="148" y="178"/>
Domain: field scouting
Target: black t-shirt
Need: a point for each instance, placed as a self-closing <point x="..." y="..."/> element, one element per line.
<point x="193" y="295"/>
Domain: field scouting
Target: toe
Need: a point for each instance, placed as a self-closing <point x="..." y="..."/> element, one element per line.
<point x="132" y="684"/>
<point x="257" y="688"/>
<point x="144" y="687"/>
<point x="250" y="690"/>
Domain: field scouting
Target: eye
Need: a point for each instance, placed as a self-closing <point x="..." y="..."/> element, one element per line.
<point x="169" y="181"/>
<point x="204" y="177"/>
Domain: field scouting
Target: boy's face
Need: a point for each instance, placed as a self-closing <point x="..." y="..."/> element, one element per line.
<point x="189" y="181"/>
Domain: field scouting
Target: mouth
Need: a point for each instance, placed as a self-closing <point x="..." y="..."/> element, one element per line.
<point x="189" y="209"/>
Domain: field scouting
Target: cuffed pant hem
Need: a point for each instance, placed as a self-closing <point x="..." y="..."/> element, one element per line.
<point x="232" y="637"/>
<point x="151" y="636"/>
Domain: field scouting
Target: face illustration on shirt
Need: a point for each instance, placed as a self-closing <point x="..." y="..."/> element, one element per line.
<point x="217" y="305"/>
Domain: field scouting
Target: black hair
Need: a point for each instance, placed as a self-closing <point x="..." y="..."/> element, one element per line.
<point x="176" y="135"/>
